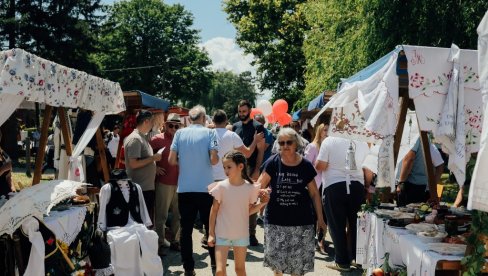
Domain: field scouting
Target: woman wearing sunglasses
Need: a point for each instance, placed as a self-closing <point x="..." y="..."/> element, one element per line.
<point x="289" y="223"/>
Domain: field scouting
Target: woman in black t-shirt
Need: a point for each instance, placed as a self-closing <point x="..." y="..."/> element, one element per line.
<point x="289" y="223"/>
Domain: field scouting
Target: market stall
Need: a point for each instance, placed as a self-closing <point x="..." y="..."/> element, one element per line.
<point x="136" y="100"/>
<point x="27" y="77"/>
<point x="441" y="85"/>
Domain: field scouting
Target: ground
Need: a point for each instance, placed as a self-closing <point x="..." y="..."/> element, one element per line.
<point x="254" y="261"/>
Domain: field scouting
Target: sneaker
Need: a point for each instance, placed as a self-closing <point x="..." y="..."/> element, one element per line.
<point x="166" y="243"/>
<point x="190" y="273"/>
<point x="338" y="267"/>
<point x="253" y="241"/>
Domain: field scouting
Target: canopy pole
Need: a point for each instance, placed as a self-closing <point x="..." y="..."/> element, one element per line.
<point x="103" y="157"/>
<point x="429" y="167"/>
<point x="400" y="125"/>
<point x="63" y="121"/>
<point x="48" y="110"/>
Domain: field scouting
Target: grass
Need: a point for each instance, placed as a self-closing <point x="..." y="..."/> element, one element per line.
<point x="21" y="179"/>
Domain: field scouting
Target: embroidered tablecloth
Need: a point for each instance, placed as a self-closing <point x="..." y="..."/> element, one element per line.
<point x="66" y="224"/>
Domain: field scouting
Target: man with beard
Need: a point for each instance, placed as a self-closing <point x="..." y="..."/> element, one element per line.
<point x="246" y="129"/>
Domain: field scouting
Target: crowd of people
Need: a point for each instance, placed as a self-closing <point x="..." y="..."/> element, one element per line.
<point x="227" y="175"/>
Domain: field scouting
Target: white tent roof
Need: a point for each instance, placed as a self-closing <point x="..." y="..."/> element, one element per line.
<point x="40" y="80"/>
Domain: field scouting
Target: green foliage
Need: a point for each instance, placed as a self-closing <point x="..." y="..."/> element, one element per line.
<point x="227" y="90"/>
<point x="142" y="33"/>
<point x="61" y="31"/>
<point x="476" y="260"/>
<point x="273" y="31"/>
<point x="345" y="36"/>
<point x="335" y="45"/>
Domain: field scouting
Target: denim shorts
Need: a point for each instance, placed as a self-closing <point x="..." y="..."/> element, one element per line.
<point x="228" y="242"/>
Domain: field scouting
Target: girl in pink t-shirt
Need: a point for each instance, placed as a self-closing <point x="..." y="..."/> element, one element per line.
<point x="234" y="201"/>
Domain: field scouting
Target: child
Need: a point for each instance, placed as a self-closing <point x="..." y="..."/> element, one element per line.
<point x="234" y="201"/>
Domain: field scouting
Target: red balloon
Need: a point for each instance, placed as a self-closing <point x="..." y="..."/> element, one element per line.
<point x="254" y="112"/>
<point x="284" y="119"/>
<point x="271" y="118"/>
<point x="280" y="107"/>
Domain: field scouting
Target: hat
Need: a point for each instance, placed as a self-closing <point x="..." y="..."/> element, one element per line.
<point x="174" y="118"/>
<point x="118" y="174"/>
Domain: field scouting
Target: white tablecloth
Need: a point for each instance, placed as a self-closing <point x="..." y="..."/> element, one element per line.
<point x="375" y="238"/>
<point x="66" y="224"/>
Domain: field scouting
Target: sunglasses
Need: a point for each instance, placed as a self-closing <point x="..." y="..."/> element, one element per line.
<point x="174" y="126"/>
<point x="287" y="142"/>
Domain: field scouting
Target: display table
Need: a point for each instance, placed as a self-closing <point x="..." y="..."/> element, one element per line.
<point x="73" y="227"/>
<point x="375" y="238"/>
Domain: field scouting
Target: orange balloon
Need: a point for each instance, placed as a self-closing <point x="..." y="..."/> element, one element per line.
<point x="254" y="112"/>
<point x="284" y="119"/>
<point x="280" y="107"/>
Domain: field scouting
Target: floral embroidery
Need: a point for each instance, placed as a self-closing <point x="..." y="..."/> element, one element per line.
<point x="423" y="83"/>
<point x="474" y="120"/>
<point x="50" y="241"/>
<point x="42" y="80"/>
<point x="470" y="75"/>
<point x="353" y="124"/>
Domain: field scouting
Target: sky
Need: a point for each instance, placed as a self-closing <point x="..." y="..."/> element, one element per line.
<point x="217" y="34"/>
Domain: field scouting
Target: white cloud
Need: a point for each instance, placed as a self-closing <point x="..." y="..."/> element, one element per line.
<point x="227" y="55"/>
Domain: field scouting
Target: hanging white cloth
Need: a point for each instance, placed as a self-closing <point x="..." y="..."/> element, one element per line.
<point x="483" y="57"/>
<point x="8" y="104"/>
<point x="35" y="267"/>
<point x="134" y="251"/>
<point x="451" y="126"/>
<point x="76" y="168"/>
<point x="478" y="191"/>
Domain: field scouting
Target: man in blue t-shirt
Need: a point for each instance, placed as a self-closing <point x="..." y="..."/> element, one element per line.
<point x="195" y="150"/>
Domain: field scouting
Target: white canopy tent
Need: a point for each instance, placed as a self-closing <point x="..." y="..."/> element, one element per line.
<point x="442" y="84"/>
<point x="27" y="77"/>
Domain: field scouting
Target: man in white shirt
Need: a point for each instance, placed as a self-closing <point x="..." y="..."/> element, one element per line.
<point x="228" y="141"/>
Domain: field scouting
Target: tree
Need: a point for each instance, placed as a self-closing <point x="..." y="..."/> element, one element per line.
<point x="61" y="31"/>
<point x="422" y="22"/>
<point x="227" y="90"/>
<point x="345" y="36"/>
<point x="157" y="42"/>
<point x="335" y="44"/>
<point x="273" y="31"/>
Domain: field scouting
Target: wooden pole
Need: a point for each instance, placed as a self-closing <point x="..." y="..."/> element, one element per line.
<point x="63" y="121"/>
<point x="42" y="144"/>
<point x="424" y="139"/>
<point x="404" y="101"/>
<point x="103" y="157"/>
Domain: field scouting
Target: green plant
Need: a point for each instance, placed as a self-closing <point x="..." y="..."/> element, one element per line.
<point x="476" y="260"/>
